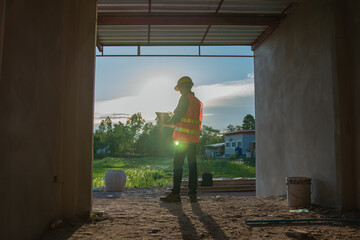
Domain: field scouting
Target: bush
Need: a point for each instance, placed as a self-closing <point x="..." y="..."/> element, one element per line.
<point x="154" y="171"/>
<point x="249" y="161"/>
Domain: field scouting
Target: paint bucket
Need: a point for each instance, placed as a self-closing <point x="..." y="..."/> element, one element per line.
<point x="115" y="180"/>
<point x="298" y="191"/>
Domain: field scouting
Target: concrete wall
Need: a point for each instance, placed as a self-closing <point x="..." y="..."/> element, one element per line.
<point x="46" y="110"/>
<point x="2" y="21"/>
<point x="347" y="85"/>
<point x="294" y="99"/>
<point x="307" y="103"/>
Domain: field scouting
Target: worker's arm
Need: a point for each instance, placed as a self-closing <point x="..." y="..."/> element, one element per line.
<point x="179" y="111"/>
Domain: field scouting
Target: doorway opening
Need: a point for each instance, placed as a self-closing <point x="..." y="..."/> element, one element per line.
<point x="193" y="30"/>
<point x="134" y="82"/>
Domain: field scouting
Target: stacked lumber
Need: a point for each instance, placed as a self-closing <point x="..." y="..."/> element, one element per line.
<point x="224" y="185"/>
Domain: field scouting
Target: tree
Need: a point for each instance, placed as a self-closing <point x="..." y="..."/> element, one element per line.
<point x="121" y="140"/>
<point x="248" y="122"/>
<point x="238" y="128"/>
<point x="230" y="128"/>
<point x="98" y="144"/>
<point x="135" y="123"/>
<point x="102" y="134"/>
<point x="209" y="135"/>
<point x="140" y="138"/>
<point x="144" y="144"/>
<point x="105" y="125"/>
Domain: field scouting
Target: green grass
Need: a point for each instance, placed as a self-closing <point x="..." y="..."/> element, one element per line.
<point x="157" y="171"/>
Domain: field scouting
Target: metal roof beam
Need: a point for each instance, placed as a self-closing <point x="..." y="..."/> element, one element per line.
<point x="98" y="44"/>
<point x="199" y="55"/>
<point x="221" y="19"/>
<point x="287" y="11"/>
<point x="219" y="6"/>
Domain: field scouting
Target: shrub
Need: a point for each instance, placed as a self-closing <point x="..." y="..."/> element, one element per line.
<point x="249" y="161"/>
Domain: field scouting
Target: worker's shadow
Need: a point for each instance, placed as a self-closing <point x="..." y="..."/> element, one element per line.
<point x="188" y="229"/>
<point x="209" y="223"/>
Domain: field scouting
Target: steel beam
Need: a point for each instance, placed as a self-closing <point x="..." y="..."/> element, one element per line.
<point x="288" y="10"/>
<point x="99" y="46"/>
<point x="211" y="56"/>
<point x="219" y="6"/>
<point x="220" y="19"/>
<point x="171" y="45"/>
<point x="264" y="36"/>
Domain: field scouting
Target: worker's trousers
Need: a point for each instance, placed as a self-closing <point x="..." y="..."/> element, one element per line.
<point x="181" y="151"/>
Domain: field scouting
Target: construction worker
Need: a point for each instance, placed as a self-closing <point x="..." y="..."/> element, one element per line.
<point x="186" y="122"/>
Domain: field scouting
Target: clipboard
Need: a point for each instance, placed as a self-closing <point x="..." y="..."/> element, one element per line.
<point x="162" y="117"/>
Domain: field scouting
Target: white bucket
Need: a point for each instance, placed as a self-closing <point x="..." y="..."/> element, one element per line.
<point x="115" y="180"/>
<point x="298" y="191"/>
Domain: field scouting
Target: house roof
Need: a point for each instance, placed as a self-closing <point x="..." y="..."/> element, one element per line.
<point x="239" y="132"/>
<point x="187" y="22"/>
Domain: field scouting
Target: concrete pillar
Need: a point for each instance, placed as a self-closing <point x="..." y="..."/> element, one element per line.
<point x="78" y="34"/>
<point x="46" y="111"/>
<point x="347" y="84"/>
<point x="307" y="103"/>
<point x="2" y="21"/>
<point x="294" y="99"/>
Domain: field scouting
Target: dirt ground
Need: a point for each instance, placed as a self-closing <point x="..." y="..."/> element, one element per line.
<point x="138" y="214"/>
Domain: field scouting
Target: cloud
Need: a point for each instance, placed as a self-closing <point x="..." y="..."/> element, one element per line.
<point x="224" y="103"/>
<point x="113" y="116"/>
<point x="229" y="111"/>
<point x="214" y="94"/>
<point x="155" y="95"/>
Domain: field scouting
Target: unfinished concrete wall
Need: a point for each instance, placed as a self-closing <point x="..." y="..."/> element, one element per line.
<point x="347" y="84"/>
<point x="295" y="124"/>
<point x="307" y="83"/>
<point x="2" y="21"/>
<point x="46" y="108"/>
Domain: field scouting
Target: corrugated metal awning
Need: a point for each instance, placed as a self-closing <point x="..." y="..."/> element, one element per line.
<point x="187" y="22"/>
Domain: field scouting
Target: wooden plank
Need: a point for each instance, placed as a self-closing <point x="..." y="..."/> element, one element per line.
<point x="227" y="182"/>
<point x="225" y="185"/>
<point x="222" y="189"/>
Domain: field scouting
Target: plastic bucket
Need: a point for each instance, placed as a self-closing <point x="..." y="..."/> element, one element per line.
<point x="115" y="180"/>
<point x="298" y="191"/>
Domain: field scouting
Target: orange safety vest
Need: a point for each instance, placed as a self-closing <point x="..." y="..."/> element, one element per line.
<point x="188" y="128"/>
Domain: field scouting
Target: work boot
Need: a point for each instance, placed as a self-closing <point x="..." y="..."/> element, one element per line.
<point x="193" y="198"/>
<point x="171" y="197"/>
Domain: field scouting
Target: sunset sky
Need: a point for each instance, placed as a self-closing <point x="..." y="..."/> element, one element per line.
<point x="127" y="85"/>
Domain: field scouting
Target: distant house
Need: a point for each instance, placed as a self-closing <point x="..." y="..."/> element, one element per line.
<point x="105" y="149"/>
<point x="214" y="150"/>
<point x="241" y="141"/>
